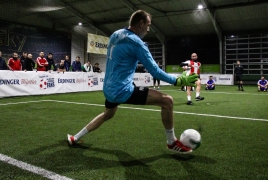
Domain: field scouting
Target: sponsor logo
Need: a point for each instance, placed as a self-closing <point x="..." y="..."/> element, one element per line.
<point x="46" y="83"/>
<point x="225" y="79"/>
<point x="9" y="81"/>
<point x="92" y="43"/>
<point x="90" y="82"/>
<point x="135" y="79"/>
<point x="101" y="45"/>
<point x="95" y="81"/>
<point x="101" y="79"/>
<point x="28" y="81"/>
<point x="66" y="80"/>
<point x="80" y="80"/>
<point x="147" y="79"/>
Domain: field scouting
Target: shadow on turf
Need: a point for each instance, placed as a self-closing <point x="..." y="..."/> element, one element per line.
<point x="73" y="159"/>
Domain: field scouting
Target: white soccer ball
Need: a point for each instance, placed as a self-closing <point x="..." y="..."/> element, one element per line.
<point x="191" y="138"/>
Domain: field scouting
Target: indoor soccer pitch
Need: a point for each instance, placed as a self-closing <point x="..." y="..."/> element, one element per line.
<point x="233" y="125"/>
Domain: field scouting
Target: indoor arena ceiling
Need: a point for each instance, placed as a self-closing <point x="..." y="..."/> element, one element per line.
<point x="170" y="17"/>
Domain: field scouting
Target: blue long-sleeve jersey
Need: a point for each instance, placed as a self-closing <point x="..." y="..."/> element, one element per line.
<point x="125" y="49"/>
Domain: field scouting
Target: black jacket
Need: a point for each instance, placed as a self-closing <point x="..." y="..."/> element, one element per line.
<point x="3" y="64"/>
<point x="50" y="63"/>
<point x="28" y="64"/>
<point x="239" y="69"/>
<point x="22" y="59"/>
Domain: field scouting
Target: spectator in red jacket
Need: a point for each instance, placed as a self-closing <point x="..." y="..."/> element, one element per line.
<point x="14" y="63"/>
<point x="41" y="62"/>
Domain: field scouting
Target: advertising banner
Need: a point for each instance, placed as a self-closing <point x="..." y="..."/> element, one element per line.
<point x="97" y="44"/>
<point x="20" y="83"/>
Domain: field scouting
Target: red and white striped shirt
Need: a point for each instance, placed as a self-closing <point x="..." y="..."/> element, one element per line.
<point x="41" y="64"/>
<point x="194" y="67"/>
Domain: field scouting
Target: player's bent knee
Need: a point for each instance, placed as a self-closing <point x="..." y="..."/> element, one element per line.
<point x="168" y="101"/>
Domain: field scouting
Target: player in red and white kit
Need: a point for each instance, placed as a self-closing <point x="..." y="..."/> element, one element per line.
<point x="41" y="62"/>
<point x="194" y="67"/>
<point x="14" y="63"/>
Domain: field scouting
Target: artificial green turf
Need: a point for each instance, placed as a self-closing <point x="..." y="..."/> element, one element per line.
<point x="132" y="145"/>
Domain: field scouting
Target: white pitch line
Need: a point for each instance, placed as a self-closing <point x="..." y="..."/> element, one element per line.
<point x="31" y="168"/>
<point x="144" y="109"/>
<point x="219" y="92"/>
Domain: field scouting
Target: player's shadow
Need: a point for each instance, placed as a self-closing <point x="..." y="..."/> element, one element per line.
<point x="61" y="159"/>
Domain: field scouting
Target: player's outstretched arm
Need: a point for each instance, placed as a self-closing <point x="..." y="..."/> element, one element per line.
<point x="184" y="80"/>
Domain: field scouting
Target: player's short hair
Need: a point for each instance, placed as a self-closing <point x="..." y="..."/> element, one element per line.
<point x="50" y="53"/>
<point x="210" y="76"/>
<point x="137" y="16"/>
<point x="78" y="57"/>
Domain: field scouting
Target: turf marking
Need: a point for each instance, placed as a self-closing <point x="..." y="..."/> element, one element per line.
<point x="144" y="109"/>
<point x="218" y="92"/>
<point x="31" y="168"/>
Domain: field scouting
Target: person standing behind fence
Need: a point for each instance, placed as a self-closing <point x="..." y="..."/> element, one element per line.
<point x="41" y="62"/>
<point x="14" y="63"/>
<point x="96" y="68"/>
<point x="238" y="75"/>
<point x="22" y="59"/>
<point x="3" y="64"/>
<point x="87" y="67"/>
<point x="158" y="80"/>
<point x="67" y="63"/>
<point x="51" y="62"/>
<point x="29" y="63"/>
<point x="76" y="65"/>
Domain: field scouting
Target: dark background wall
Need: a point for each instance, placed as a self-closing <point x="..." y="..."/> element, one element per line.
<point x="180" y="49"/>
<point x="18" y="38"/>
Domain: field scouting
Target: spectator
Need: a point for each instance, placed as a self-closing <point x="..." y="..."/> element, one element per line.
<point x="210" y="85"/>
<point x="22" y="59"/>
<point x="87" y="67"/>
<point x="29" y="63"/>
<point x="262" y="84"/>
<point x="96" y="68"/>
<point x="158" y="80"/>
<point x="50" y="62"/>
<point x="3" y="64"/>
<point x="61" y="67"/>
<point x="41" y="62"/>
<point x="14" y="63"/>
<point x="67" y="63"/>
<point x="76" y="65"/>
<point x="238" y="75"/>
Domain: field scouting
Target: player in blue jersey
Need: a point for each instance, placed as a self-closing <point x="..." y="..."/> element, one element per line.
<point x="125" y="49"/>
<point x="262" y="84"/>
<point x="210" y="85"/>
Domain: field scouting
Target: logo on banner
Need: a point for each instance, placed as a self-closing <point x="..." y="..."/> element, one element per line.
<point x="80" y="80"/>
<point x="135" y="79"/>
<point x="214" y="78"/>
<point x="92" y="81"/>
<point x="225" y="79"/>
<point x="9" y="82"/>
<point x="147" y="79"/>
<point x="46" y="82"/>
<point x="62" y="81"/>
<point x="101" y="79"/>
<point x="28" y="81"/>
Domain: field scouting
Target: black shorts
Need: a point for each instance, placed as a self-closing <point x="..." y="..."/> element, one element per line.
<point x="138" y="97"/>
<point x="238" y="77"/>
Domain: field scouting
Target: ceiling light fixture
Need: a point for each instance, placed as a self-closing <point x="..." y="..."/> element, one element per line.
<point x="80" y="24"/>
<point x="200" y="6"/>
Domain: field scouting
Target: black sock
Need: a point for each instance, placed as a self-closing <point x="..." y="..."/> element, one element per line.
<point x="238" y="86"/>
<point x="241" y="86"/>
